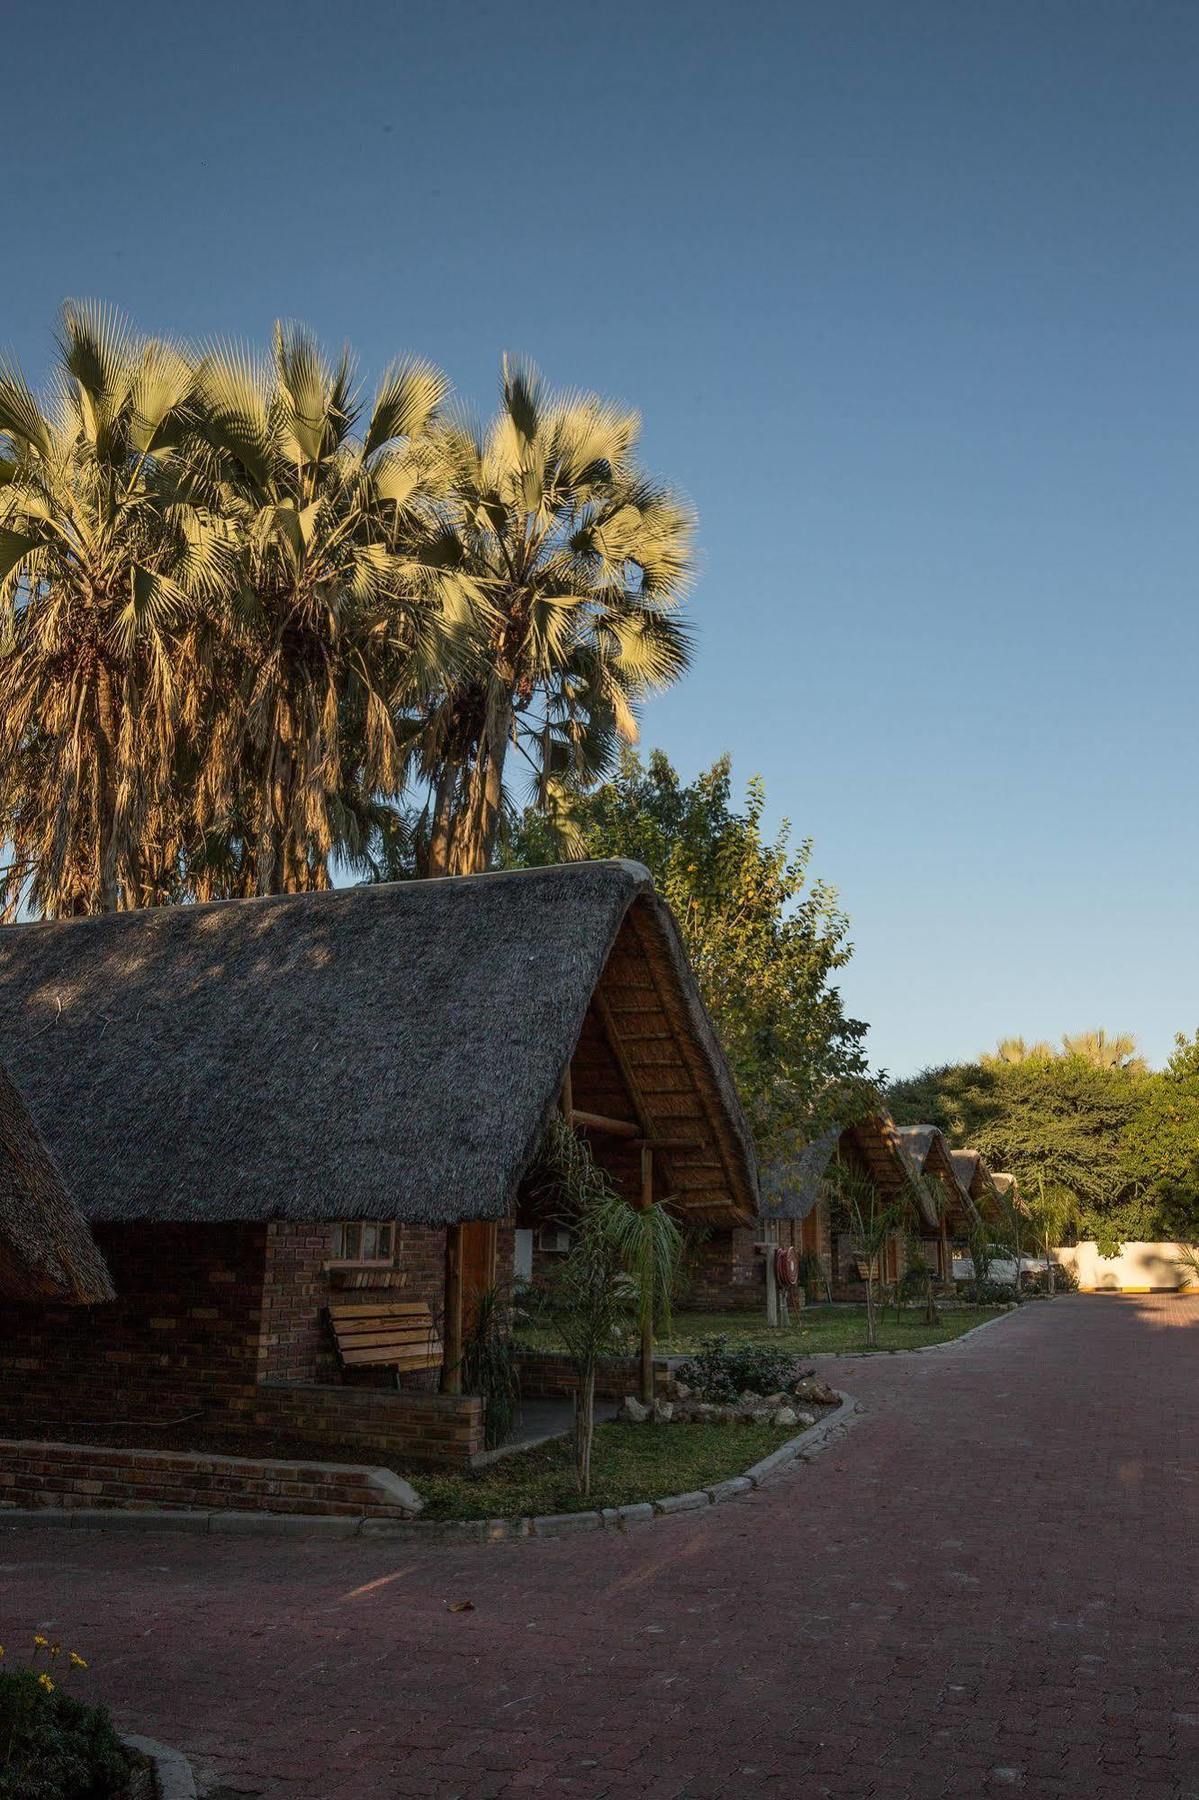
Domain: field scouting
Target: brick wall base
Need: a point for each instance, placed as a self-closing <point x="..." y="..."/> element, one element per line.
<point x="423" y="1428"/>
<point x="78" y="1475"/>
<point x="544" y="1376"/>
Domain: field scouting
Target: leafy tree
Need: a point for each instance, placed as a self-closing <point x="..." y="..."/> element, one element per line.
<point x="581" y="561"/>
<point x="1161" y="1144"/>
<point x="764" y="944"/>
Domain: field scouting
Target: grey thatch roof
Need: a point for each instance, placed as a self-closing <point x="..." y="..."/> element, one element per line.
<point x="46" y="1249"/>
<point x="791" y="1189"/>
<point x="386" y="1052"/>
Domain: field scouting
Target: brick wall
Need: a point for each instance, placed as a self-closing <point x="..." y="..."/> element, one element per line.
<point x="431" y="1428"/>
<point x="181" y="1336"/>
<point x="544" y="1376"/>
<point x="727" y="1272"/>
<point x="75" y="1475"/>
<point x="297" y="1344"/>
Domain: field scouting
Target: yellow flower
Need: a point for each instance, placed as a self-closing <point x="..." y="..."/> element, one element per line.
<point x="45" y="1681"/>
<point x="41" y="1642"/>
<point x="56" y="1649"/>
<point x="77" y="1662"/>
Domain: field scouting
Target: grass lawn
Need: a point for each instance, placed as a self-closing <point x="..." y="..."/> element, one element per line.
<point x="817" y="1328"/>
<point x="629" y="1463"/>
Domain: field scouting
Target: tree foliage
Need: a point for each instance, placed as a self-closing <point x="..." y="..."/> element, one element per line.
<point x="764" y="941"/>
<point x="1102" y="1146"/>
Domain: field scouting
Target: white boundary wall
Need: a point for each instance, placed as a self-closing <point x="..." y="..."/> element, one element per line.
<point x="1137" y="1269"/>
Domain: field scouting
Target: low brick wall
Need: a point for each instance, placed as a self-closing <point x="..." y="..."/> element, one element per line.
<point x="427" y="1428"/>
<point x="76" y="1475"/>
<point x="546" y="1376"/>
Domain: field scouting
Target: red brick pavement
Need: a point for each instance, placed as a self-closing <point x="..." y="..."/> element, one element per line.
<point x="988" y="1588"/>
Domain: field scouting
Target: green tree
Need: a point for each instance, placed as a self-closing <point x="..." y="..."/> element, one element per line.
<point x="581" y="560"/>
<point x="1161" y="1143"/>
<point x="764" y="942"/>
<point x="871" y="1221"/>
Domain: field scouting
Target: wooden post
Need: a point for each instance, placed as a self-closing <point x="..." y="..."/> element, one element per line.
<point x="946" y="1253"/>
<point x="451" y="1368"/>
<point x="647" y="1326"/>
<point x="568" y="1097"/>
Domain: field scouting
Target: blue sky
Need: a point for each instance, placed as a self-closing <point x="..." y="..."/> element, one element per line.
<point x="907" y="296"/>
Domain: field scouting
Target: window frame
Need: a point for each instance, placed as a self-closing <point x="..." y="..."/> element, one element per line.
<point x="340" y="1234"/>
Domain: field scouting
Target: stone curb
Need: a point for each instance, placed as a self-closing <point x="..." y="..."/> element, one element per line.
<point x="173" y="1778"/>
<point x="801" y="1448"/>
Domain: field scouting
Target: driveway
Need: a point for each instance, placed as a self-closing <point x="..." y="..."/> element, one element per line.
<point x="988" y="1587"/>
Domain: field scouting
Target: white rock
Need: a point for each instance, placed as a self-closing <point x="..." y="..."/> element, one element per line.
<point x="633" y="1413"/>
<point x="783" y="1415"/>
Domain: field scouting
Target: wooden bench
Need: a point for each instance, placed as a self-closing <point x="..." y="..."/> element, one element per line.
<point x="399" y="1334"/>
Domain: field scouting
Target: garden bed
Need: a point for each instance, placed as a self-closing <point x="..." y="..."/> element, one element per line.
<point x="630" y="1464"/>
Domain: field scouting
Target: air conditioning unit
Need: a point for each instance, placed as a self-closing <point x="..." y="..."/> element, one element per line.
<point x="554" y="1238"/>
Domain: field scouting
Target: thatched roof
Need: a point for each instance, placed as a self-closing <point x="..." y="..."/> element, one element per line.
<point x="973" y="1172"/>
<point x="46" y="1249"/>
<point x="791" y="1189"/>
<point x="928" y="1148"/>
<point x="387" y="1052"/>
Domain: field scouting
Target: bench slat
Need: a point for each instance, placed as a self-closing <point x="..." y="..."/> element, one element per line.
<point x="397" y="1333"/>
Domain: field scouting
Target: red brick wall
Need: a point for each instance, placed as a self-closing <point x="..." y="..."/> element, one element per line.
<point x="74" y="1475"/>
<point x="297" y="1344"/>
<point x="181" y="1336"/>
<point x="728" y="1272"/>
<point x="544" y="1376"/>
<point x="434" y="1428"/>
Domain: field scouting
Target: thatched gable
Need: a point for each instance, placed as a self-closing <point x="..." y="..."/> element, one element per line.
<point x="928" y="1148"/>
<point x="974" y="1175"/>
<point x="46" y="1249"/>
<point x="872" y="1146"/>
<point x="388" y="1052"/>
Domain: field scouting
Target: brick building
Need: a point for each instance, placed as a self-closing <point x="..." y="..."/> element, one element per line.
<point x="268" y="1109"/>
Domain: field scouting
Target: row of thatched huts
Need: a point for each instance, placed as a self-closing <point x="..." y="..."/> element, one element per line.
<point x="271" y="1153"/>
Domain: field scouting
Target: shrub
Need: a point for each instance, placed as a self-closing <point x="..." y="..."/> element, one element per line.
<point x="53" y="1747"/>
<point x="721" y="1372"/>
<point x="489" y="1366"/>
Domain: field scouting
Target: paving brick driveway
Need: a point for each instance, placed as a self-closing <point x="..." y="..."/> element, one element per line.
<point x="988" y="1587"/>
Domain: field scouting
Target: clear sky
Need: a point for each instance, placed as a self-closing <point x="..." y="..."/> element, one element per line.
<point x="907" y="295"/>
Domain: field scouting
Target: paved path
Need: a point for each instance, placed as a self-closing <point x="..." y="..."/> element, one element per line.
<point x="989" y="1587"/>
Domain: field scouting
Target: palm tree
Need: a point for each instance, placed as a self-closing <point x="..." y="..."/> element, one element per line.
<point x="580" y="560"/>
<point x="1051" y="1212"/>
<point x="106" y="574"/>
<point x="342" y="616"/>
<point x="1011" y="1050"/>
<point x="1104" y="1051"/>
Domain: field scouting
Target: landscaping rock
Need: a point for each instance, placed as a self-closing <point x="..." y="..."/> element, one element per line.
<point x="681" y="1391"/>
<point x="818" y="1392"/>
<point x="805" y="1419"/>
<point x="632" y="1412"/>
<point x="783" y="1415"/>
<point x="663" y="1412"/>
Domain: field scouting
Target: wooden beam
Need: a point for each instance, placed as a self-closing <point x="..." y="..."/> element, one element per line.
<point x="589" y="1121"/>
<point x="647" y="1328"/>
<point x="451" y="1368"/>
<point x="568" y="1104"/>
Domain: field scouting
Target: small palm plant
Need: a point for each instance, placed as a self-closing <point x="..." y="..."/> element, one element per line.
<point x="871" y="1221"/>
<point x="618" y="1274"/>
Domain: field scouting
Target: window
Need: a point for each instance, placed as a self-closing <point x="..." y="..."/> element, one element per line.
<point x="364" y="1242"/>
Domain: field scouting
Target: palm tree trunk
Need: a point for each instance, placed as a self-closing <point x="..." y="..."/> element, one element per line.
<point x="441" y="830"/>
<point x="585" y="1430"/>
<point x="106" y="790"/>
<point x="477" y="827"/>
